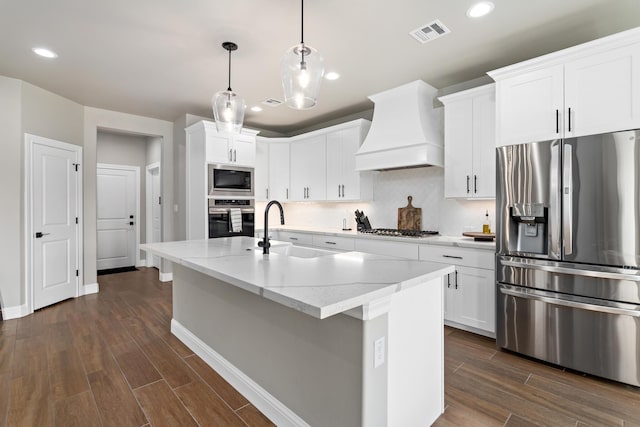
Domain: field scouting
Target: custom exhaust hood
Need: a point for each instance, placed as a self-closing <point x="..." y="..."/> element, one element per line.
<point x="406" y="131"/>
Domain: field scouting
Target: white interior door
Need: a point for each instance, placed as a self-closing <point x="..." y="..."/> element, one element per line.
<point x="54" y="210"/>
<point x="117" y="188"/>
<point x="154" y="212"/>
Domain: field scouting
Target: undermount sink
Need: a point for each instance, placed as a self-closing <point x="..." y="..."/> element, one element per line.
<point x="298" y="251"/>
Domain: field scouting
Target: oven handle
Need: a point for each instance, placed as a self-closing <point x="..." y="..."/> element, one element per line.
<point x="582" y="303"/>
<point x="573" y="271"/>
<point x="226" y="210"/>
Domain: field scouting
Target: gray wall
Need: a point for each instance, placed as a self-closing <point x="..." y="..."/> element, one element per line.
<point x="11" y="249"/>
<point x="25" y="108"/>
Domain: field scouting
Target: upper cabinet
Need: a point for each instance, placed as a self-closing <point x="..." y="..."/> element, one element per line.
<point x="308" y="175"/>
<point x="220" y="148"/>
<point x="272" y="169"/>
<point x="587" y="89"/>
<point x="469" y="149"/>
<point x="343" y="181"/>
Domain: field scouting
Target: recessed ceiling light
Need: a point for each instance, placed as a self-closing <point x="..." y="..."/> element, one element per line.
<point x="332" y="75"/>
<point x="256" y="109"/>
<point x="44" y="52"/>
<point x="480" y="9"/>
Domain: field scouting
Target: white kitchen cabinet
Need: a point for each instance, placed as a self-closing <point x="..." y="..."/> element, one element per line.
<point x="469" y="151"/>
<point x="237" y="150"/>
<point x="587" y="89"/>
<point x="344" y="183"/>
<point x="279" y="170"/>
<point x="272" y="169"/>
<point x="261" y="173"/>
<point x="301" y="239"/>
<point x="470" y="301"/>
<point x="337" y="243"/>
<point x="308" y="169"/>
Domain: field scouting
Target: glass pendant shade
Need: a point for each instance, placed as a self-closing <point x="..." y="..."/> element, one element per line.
<point x="302" y="68"/>
<point x="228" y="107"/>
<point x="228" y="111"/>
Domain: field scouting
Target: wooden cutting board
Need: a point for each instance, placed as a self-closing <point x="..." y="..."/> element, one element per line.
<point x="409" y="218"/>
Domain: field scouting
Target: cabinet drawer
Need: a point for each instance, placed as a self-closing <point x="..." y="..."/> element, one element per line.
<point x="295" y="238"/>
<point x="459" y="256"/>
<point x="333" y="242"/>
<point x="403" y="250"/>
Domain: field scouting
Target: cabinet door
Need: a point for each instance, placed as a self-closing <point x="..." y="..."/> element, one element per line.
<point x="218" y="149"/>
<point x="334" y="165"/>
<point x="603" y="92"/>
<point x="308" y="173"/>
<point x="530" y="106"/>
<point x="262" y="171"/>
<point x="484" y="146"/>
<point x="279" y="171"/>
<point x="351" y="179"/>
<point x="458" y="131"/>
<point x="476" y="300"/>
<point x="244" y="150"/>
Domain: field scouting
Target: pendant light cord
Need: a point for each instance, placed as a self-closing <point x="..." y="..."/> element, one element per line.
<point x="302" y="22"/>
<point x="229" y="88"/>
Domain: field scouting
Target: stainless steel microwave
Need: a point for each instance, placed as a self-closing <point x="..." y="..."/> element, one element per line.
<point x="227" y="180"/>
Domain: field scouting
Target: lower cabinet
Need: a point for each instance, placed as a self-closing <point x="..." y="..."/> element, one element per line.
<point x="469" y="292"/>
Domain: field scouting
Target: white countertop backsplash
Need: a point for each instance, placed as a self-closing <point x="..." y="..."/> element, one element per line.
<point x="451" y="217"/>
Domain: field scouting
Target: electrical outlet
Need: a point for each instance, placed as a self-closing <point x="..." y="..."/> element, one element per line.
<point x="378" y="352"/>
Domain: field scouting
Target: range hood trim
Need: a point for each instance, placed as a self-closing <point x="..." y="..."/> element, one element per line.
<point x="406" y="130"/>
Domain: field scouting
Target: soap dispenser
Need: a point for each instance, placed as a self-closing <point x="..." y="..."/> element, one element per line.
<point x="486" y="225"/>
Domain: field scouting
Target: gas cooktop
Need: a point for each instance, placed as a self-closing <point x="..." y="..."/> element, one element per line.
<point x="400" y="233"/>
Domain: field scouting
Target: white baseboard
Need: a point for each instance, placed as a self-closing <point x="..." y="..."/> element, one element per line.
<point x="14" y="312"/>
<point x="142" y="263"/>
<point x="271" y="407"/>
<point x="89" y="288"/>
<point x="166" y="277"/>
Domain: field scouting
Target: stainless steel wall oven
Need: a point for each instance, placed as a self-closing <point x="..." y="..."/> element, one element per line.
<point x="231" y="217"/>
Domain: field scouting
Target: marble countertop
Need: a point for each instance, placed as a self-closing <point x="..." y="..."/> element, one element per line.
<point x="321" y="287"/>
<point x="459" y="241"/>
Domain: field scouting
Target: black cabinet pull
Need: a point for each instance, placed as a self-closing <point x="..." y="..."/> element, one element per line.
<point x="456" y="279"/>
<point x="449" y="280"/>
<point x="467" y="184"/>
<point x="475" y="183"/>
<point x="557" y="121"/>
<point x="569" y="119"/>
<point x="331" y="243"/>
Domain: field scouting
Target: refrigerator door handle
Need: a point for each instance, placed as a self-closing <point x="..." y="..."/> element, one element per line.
<point x="582" y="303"/>
<point x="554" y="200"/>
<point x="567" y="199"/>
<point x="554" y="267"/>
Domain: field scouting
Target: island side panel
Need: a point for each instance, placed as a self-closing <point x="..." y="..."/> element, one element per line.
<point x="312" y="366"/>
<point x="416" y="355"/>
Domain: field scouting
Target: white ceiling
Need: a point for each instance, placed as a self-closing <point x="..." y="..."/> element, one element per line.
<point x="163" y="58"/>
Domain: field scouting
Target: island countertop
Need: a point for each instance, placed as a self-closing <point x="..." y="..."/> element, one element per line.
<point x="319" y="286"/>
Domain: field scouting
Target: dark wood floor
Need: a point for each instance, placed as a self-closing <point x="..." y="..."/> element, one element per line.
<point x="109" y="359"/>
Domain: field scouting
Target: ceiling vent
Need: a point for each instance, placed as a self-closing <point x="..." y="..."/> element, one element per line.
<point x="429" y="32"/>
<point x="272" y="102"/>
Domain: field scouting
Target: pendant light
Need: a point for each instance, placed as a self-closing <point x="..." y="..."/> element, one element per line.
<point x="301" y="69"/>
<point x="228" y="107"/>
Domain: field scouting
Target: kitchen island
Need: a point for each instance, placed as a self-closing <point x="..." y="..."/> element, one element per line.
<point x="314" y="337"/>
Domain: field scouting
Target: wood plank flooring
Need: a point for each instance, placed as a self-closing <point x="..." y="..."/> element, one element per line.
<point x="110" y="360"/>
<point x="489" y="387"/>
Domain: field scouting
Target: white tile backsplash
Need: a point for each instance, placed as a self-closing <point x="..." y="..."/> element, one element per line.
<point x="391" y="189"/>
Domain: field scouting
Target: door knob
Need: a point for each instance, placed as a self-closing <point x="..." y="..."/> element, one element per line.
<point x="39" y="234"/>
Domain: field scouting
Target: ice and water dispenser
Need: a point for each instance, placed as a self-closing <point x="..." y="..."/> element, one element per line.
<point x="528" y="224"/>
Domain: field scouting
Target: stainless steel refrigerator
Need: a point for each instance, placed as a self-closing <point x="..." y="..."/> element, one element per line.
<point x="568" y="253"/>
